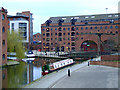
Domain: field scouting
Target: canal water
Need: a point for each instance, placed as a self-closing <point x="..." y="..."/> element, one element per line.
<point x="20" y="75"/>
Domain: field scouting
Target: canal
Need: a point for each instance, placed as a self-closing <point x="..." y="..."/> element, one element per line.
<point x="20" y="75"/>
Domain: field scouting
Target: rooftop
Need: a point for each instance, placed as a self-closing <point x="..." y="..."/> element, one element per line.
<point x="85" y="17"/>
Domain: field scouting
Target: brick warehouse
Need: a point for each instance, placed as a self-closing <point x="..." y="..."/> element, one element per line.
<point x="65" y="33"/>
<point x="3" y="36"/>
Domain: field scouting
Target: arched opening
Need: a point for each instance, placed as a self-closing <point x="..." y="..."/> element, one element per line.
<point x="88" y="46"/>
<point x="109" y="45"/>
<point x="62" y="48"/>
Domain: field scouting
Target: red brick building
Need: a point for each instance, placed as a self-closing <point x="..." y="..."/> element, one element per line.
<point x="36" y="42"/>
<point x="3" y="36"/>
<point x="66" y="33"/>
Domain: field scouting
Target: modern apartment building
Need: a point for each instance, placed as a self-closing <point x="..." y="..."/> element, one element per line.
<point x="22" y="22"/>
<point x="67" y="33"/>
<point x="3" y="36"/>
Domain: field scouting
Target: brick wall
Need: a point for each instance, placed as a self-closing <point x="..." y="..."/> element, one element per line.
<point x="112" y="64"/>
<point x="110" y="57"/>
<point x="0" y="38"/>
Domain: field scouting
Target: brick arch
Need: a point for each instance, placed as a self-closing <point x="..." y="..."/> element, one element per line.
<point x="90" y="45"/>
<point x="88" y="40"/>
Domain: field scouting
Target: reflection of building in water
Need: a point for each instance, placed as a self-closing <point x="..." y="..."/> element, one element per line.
<point x="29" y="73"/>
<point x="33" y="72"/>
<point x="4" y="78"/>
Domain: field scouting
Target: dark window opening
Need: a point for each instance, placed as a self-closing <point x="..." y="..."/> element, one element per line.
<point x="3" y="56"/>
<point x="60" y="34"/>
<point x="72" y="29"/>
<point x="47" y="34"/>
<point x="3" y="29"/>
<point x="73" y="34"/>
<point x="60" y="29"/>
<point x="3" y="43"/>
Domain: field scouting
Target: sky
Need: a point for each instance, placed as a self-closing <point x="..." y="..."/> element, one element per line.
<point x="44" y="9"/>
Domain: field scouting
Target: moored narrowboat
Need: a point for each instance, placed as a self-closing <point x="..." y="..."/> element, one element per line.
<point x="56" y="65"/>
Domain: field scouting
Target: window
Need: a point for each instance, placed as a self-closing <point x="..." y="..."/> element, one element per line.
<point x="72" y="29"/>
<point x="12" y="26"/>
<point x="47" y="30"/>
<point x="77" y="33"/>
<point x="77" y="28"/>
<point x="47" y="44"/>
<point x="68" y="28"/>
<point x="73" y="34"/>
<point x="72" y="39"/>
<point x="43" y="44"/>
<point x="106" y="27"/>
<point x="92" y="16"/>
<point x="86" y="28"/>
<point x="73" y="44"/>
<point x="51" y="39"/>
<point x="116" y="27"/>
<point x="63" y="28"/>
<point x="68" y="33"/>
<point x="43" y="34"/>
<point x="60" y="39"/>
<point x="55" y="33"/>
<point x="111" y="27"/>
<point x="60" y="22"/>
<point x="3" y="17"/>
<point x="3" y="56"/>
<point x="95" y="27"/>
<point x="77" y="38"/>
<point x="47" y="39"/>
<point x="81" y="28"/>
<point x="101" y="27"/>
<point x="63" y="33"/>
<point x="81" y="37"/>
<point x="47" y="34"/>
<point x="55" y="38"/>
<point x="56" y="29"/>
<point x="3" y="43"/>
<point x="3" y="29"/>
<point x="90" y="27"/>
<point x="116" y="32"/>
<point x="60" y="34"/>
<point x="60" y="29"/>
<point x="3" y="76"/>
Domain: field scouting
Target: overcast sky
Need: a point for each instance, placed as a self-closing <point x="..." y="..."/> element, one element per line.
<point x="44" y="9"/>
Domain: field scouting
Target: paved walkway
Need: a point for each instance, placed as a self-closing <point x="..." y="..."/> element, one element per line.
<point x="93" y="76"/>
<point x="50" y="79"/>
<point x="82" y="76"/>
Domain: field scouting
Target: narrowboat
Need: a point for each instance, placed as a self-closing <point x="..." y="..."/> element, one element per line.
<point x="48" y="68"/>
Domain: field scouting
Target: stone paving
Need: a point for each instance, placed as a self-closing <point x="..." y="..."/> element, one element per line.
<point x="93" y="76"/>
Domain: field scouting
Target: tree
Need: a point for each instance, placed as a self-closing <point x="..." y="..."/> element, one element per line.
<point x="14" y="44"/>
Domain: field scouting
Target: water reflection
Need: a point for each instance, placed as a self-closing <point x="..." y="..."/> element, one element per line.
<point x="22" y="74"/>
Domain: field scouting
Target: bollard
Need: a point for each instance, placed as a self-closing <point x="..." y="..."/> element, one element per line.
<point x="69" y="72"/>
<point x="88" y="63"/>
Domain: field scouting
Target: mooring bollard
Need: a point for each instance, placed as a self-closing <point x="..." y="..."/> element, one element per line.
<point x="69" y="72"/>
<point x="88" y="63"/>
